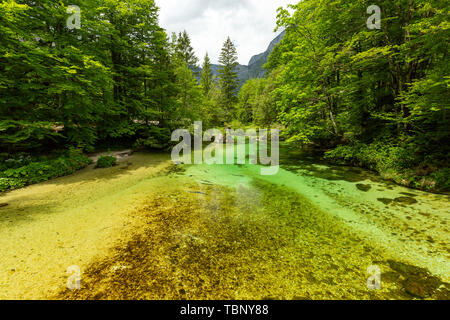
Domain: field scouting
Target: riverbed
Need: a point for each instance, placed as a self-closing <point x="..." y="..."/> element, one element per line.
<point x="149" y="229"/>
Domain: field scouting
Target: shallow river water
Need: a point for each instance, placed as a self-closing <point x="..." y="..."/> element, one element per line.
<point x="147" y="229"/>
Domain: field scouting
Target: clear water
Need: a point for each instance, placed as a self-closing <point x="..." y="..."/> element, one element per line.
<point x="150" y="230"/>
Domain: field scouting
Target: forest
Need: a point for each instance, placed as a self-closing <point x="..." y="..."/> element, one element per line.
<point x="377" y="99"/>
<point x="93" y="205"/>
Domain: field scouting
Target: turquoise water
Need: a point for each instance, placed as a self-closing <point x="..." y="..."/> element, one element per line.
<point x="227" y="232"/>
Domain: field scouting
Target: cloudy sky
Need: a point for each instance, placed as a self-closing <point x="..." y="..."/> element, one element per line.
<point x="249" y="23"/>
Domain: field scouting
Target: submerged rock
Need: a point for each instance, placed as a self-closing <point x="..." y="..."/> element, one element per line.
<point x="386" y="201"/>
<point x="175" y="169"/>
<point x="406" y="200"/>
<point x="364" y="187"/>
<point x="390" y="277"/>
<point x="409" y="194"/>
<point x="399" y="201"/>
<point x="421" y="288"/>
<point x="443" y="293"/>
<point x="418" y="281"/>
<point x="198" y="192"/>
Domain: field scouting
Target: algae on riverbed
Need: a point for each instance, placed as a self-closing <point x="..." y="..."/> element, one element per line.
<point x="220" y="245"/>
<point x="253" y="242"/>
<point x="69" y="221"/>
<point x="150" y="230"/>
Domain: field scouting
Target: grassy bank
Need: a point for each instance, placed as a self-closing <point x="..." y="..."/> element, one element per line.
<point x="24" y="170"/>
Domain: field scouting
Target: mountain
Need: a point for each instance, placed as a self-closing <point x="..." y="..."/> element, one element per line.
<point x="256" y="63"/>
<point x="254" y="69"/>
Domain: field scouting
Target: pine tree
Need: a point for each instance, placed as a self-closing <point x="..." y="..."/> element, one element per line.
<point x="173" y="42"/>
<point x="206" y="76"/>
<point x="185" y="50"/>
<point x="189" y="95"/>
<point x="228" y="77"/>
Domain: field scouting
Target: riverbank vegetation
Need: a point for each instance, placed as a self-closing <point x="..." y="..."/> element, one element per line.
<point x="376" y="98"/>
<point x="372" y="98"/>
<point x="118" y="80"/>
<point x="23" y="170"/>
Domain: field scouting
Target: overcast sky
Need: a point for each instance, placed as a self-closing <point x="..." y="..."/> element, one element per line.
<point x="249" y="23"/>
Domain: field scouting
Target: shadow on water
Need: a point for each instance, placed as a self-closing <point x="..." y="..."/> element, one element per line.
<point x="300" y="162"/>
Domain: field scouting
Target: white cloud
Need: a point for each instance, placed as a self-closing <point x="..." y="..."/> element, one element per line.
<point x="249" y="23"/>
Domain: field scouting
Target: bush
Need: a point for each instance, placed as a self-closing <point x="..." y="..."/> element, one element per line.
<point x="379" y="156"/>
<point x="17" y="161"/>
<point x="236" y="124"/>
<point x="153" y="138"/>
<point x="400" y="163"/>
<point x="342" y="155"/>
<point x="442" y="179"/>
<point x="42" y="170"/>
<point x="106" y="162"/>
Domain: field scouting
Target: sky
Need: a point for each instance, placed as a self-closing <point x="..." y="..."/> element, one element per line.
<point x="249" y="23"/>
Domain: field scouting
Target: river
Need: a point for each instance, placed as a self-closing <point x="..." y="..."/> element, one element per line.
<point x="147" y="229"/>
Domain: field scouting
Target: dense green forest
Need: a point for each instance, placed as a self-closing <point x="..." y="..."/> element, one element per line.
<point x="373" y="98"/>
<point x="382" y="96"/>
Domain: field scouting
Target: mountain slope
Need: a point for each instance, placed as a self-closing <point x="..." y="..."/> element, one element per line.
<point x="256" y="63"/>
<point x="254" y="69"/>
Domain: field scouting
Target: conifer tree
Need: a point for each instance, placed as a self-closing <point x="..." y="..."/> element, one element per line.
<point x="206" y="76"/>
<point x="228" y="77"/>
<point x="185" y="50"/>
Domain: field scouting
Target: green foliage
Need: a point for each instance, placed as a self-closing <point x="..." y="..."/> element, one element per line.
<point x="380" y="156"/>
<point x="76" y="87"/>
<point x="189" y="95"/>
<point x="380" y="96"/>
<point x="19" y="160"/>
<point x="24" y="171"/>
<point x="213" y="112"/>
<point x="106" y="162"/>
<point x="339" y="80"/>
<point x="441" y="178"/>
<point x="184" y="50"/>
<point x="206" y="79"/>
<point x="228" y="78"/>
<point x="155" y="138"/>
<point x="256" y="102"/>
<point x="399" y="163"/>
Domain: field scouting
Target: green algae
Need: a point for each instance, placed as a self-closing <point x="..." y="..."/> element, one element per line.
<point x="276" y="245"/>
<point x="155" y="230"/>
<point x="69" y="221"/>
